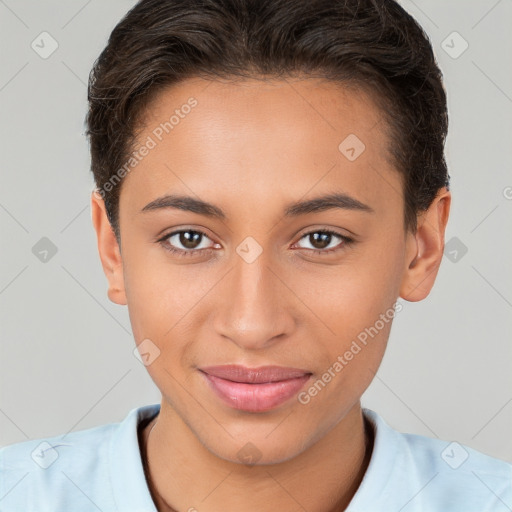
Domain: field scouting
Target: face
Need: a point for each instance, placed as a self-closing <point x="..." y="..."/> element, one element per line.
<point x="263" y="228"/>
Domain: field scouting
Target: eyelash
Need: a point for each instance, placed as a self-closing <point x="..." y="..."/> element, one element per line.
<point x="345" y="241"/>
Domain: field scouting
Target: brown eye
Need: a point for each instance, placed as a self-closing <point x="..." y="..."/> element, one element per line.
<point x="323" y="241"/>
<point x="188" y="240"/>
<point x="320" y="240"/>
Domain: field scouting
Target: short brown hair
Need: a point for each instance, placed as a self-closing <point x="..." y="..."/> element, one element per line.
<point x="371" y="44"/>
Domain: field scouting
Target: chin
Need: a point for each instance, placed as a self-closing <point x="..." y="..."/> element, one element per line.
<point x="258" y="445"/>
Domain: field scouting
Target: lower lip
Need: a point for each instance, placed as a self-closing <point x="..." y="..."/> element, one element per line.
<point x="255" y="397"/>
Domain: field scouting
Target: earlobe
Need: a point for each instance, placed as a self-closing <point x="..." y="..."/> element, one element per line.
<point x="108" y="248"/>
<point x="425" y="249"/>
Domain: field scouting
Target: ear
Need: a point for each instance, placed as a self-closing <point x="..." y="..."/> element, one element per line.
<point x="108" y="249"/>
<point x="424" y="249"/>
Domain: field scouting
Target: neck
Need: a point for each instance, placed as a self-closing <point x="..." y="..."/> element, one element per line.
<point x="183" y="475"/>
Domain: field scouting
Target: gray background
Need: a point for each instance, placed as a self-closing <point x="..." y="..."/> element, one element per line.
<point x="66" y="350"/>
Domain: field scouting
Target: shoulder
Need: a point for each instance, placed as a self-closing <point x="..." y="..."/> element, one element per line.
<point x="67" y="472"/>
<point x="458" y="473"/>
<point x="431" y="474"/>
<point x="453" y="458"/>
<point x="43" y="453"/>
<point x="41" y="470"/>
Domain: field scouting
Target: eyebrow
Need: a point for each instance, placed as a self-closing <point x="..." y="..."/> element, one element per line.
<point x="319" y="204"/>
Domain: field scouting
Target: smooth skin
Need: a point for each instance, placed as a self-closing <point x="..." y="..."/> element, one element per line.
<point x="252" y="148"/>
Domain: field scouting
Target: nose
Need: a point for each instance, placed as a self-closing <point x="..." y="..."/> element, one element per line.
<point x="254" y="310"/>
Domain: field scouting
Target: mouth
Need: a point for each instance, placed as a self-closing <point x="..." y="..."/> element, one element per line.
<point x="254" y="389"/>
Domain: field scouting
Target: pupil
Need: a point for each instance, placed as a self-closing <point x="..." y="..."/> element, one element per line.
<point x="320" y="240"/>
<point x="189" y="239"/>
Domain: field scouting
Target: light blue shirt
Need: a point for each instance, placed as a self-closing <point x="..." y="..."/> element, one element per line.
<point x="101" y="469"/>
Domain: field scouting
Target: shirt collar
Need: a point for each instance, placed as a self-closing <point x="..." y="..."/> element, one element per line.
<point x="131" y="492"/>
<point x="382" y="462"/>
<point x="127" y="478"/>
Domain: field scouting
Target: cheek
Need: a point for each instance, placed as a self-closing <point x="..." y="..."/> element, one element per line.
<point x="166" y="306"/>
<point x="351" y="357"/>
<point x="351" y="297"/>
<point x="161" y="293"/>
<point x="356" y="302"/>
<point x="160" y="300"/>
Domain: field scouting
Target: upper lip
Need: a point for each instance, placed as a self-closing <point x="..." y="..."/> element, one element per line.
<point x="259" y="375"/>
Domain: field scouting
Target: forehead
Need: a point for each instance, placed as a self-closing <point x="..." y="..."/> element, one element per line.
<point x="261" y="136"/>
<point x="265" y="105"/>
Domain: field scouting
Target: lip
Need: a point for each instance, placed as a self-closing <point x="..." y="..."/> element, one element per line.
<point x="255" y="389"/>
